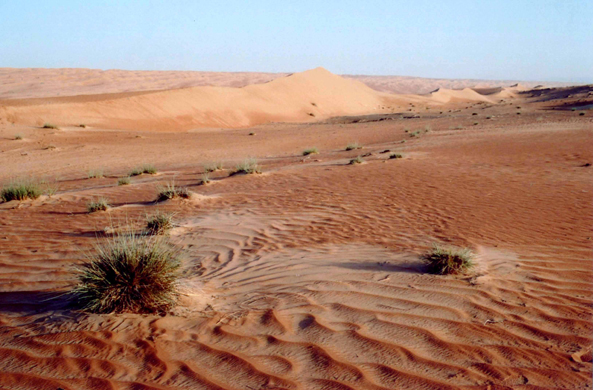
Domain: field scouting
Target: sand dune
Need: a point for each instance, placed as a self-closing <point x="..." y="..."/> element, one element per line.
<point x="301" y="97"/>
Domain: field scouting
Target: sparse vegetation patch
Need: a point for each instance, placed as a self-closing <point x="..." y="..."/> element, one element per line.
<point x="129" y="273"/>
<point x="356" y="160"/>
<point x="49" y="126"/>
<point x="123" y="181"/>
<point x="171" y="191"/>
<point x="445" y="261"/>
<point x="353" y="146"/>
<point x="21" y="189"/>
<point x="100" y="204"/>
<point x="159" y="223"/>
<point x="146" y="168"/>
<point x="249" y="166"/>
<point x="309" y="151"/>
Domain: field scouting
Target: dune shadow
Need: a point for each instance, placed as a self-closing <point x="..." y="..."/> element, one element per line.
<point x="35" y="302"/>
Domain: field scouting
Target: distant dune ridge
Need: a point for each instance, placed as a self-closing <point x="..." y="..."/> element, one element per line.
<point x="240" y="100"/>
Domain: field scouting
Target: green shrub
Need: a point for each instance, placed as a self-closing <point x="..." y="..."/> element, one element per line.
<point x="159" y="223"/>
<point x="309" y="151"/>
<point x="445" y="261"/>
<point x="129" y="273"/>
<point x="95" y="174"/>
<point x="146" y="168"/>
<point x="171" y="191"/>
<point x="21" y="189"/>
<point x="356" y="160"/>
<point x="100" y="204"/>
<point x="353" y="146"/>
<point x="248" y="166"/>
<point x="212" y="167"/>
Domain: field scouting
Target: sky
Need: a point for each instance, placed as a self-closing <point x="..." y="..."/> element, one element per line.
<point x="539" y="40"/>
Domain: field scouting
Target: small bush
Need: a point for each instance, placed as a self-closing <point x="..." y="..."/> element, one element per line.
<point x="95" y="174"/>
<point x="445" y="261"/>
<point x="159" y="223"/>
<point x="415" y="134"/>
<point x="581" y="114"/>
<point x="82" y="125"/>
<point x="427" y="129"/>
<point x="248" y="166"/>
<point x="474" y="113"/>
<point x="489" y="117"/>
<point x="18" y="137"/>
<point x="205" y="179"/>
<point x="170" y="191"/>
<point x="395" y="155"/>
<point x="309" y="151"/>
<point x="353" y="146"/>
<point x="100" y="204"/>
<point x="129" y="274"/>
<point x="356" y="160"/>
<point x="252" y="133"/>
<point x="123" y="181"/>
<point x="476" y="123"/>
<point x="146" y="168"/>
<point x="50" y="126"/>
<point x="21" y="189"/>
<point x="50" y="147"/>
<point x="212" y="167"/>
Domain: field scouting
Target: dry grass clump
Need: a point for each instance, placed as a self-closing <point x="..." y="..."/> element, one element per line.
<point x="205" y="179"/>
<point x="353" y="146"/>
<point x="18" y="137"/>
<point x="95" y="174"/>
<point x="100" y="204"/>
<point x="249" y="167"/>
<point x="309" y="151"/>
<point x="395" y="155"/>
<point x="215" y="166"/>
<point x="146" y="168"/>
<point x="446" y="261"/>
<point x="123" y="181"/>
<point x="129" y="273"/>
<point x="159" y="223"/>
<point x="21" y="189"/>
<point x="170" y="191"/>
<point x="356" y="160"/>
<point x="50" y="126"/>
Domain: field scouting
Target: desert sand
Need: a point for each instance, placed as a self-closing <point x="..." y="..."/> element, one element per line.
<point x="307" y="276"/>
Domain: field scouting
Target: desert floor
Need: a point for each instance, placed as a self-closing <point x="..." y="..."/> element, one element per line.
<point x="308" y="276"/>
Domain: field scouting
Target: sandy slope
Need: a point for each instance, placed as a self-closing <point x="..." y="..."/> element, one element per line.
<point x="308" y="276"/>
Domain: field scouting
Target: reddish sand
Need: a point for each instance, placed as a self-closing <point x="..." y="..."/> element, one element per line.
<point x="308" y="276"/>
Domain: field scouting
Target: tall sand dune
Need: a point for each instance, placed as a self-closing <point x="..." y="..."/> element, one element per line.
<point x="301" y="97"/>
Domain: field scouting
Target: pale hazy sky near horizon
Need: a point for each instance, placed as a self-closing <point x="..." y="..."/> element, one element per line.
<point x="543" y="40"/>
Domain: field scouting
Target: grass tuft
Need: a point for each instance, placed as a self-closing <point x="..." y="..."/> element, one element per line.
<point x="249" y="167"/>
<point x="100" y="204"/>
<point x="171" y="191"/>
<point x="18" y="137"/>
<point x="123" y="181"/>
<point x="356" y="160"/>
<point x="445" y="261"/>
<point x="146" y="168"/>
<point x="213" y="167"/>
<point x="21" y="189"/>
<point x="353" y="146"/>
<point x="159" y="223"/>
<point x="95" y="174"/>
<point x="50" y="126"/>
<point x="129" y="273"/>
<point x="205" y="179"/>
<point x="309" y="151"/>
<point x="395" y="155"/>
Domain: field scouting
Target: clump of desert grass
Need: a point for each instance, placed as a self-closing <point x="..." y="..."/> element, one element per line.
<point x="159" y="223"/>
<point x="146" y="168"/>
<point x="214" y="166"/>
<point x="353" y="146"/>
<point x="248" y="167"/>
<point x="309" y="151"/>
<point x="18" y="137"/>
<point x="123" y="181"/>
<point x="21" y="189"/>
<point x="446" y="261"/>
<point x="395" y="155"/>
<point x="170" y="191"/>
<point x="129" y="273"/>
<point x="48" y="125"/>
<point x="205" y="179"/>
<point x="356" y="160"/>
<point x="95" y="174"/>
<point x="99" y="204"/>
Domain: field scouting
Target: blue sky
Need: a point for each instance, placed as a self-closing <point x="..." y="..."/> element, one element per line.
<point x="547" y="40"/>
